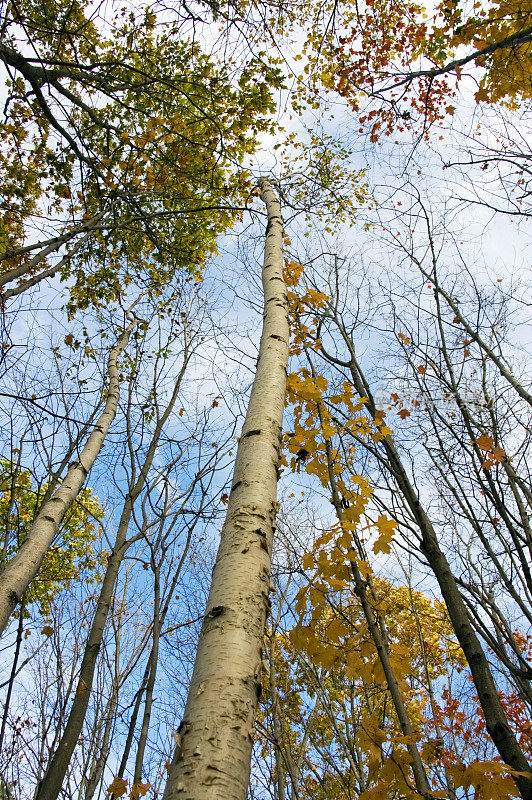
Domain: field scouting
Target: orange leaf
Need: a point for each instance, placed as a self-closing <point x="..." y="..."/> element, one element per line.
<point x="498" y="454"/>
<point x="117" y="788"/>
<point x="404" y="413"/>
<point x="421" y="369"/>
<point x="484" y="442"/>
<point x="139" y="789"/>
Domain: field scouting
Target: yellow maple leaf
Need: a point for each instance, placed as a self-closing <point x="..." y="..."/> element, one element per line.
<point x="386" y="528"/>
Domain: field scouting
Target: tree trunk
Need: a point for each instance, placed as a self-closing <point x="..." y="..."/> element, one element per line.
<point x="214" y="741"/>
<point x="497" y="724"/>
<point x="377" y="630"/>
<point x="52" y="246"/>
<point x="23" y="568"/>
<point x="50" y="786"/>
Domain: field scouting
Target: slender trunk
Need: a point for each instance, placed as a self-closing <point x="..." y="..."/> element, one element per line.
<point x="50" y="785"/>
<point x="378" y="633"/>
<point x="496" y="720"/>
<point x="23" y="568"/>
<point x="214" y="741"/>
<point x="281" y="755"/>
<point x="13" y="674"/>
<point x="430" y="689"/>
<point x="154" y="658"/>
<point x="494" y="713"/>
<point x="99" y="765"/>
<point x="133" y="720"/>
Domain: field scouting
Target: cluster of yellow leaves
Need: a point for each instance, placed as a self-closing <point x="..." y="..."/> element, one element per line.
<point x="507" y="70"/>
<point x="489" y="779"/>
<point x="73" y="550"/>
<point x="333" y="633"/>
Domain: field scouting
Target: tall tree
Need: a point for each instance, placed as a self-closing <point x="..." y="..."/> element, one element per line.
<point x="22" y="568"/>
<point x="215" y="737"/>
<point x="370" y="431"/>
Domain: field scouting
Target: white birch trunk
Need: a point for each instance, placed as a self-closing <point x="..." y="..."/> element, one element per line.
<point x="23" y="568"/>
<point x="214" y="741"/>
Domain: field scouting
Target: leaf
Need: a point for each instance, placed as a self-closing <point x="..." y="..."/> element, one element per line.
<point x="498" y="454"/>
<point x="139" y="789"/>
<point x="403" y="413"/>
<point x="421" y="369"/>
<point x="484" y="442"/>
<point x="117" y="788"/>
<point x="386" y="528"/>
<point x="47" y="630"/>
<point x="307" y="561"/>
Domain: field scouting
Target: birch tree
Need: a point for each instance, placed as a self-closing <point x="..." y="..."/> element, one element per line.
<point x="214" y="740"/>
<point x="21" y="570"/>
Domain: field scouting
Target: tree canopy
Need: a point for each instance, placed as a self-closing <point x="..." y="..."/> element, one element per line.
<point x="214" y="211"/>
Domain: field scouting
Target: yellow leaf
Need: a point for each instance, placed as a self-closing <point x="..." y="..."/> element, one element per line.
<point x="307" y="561"/>
<point x="386" y="528"/>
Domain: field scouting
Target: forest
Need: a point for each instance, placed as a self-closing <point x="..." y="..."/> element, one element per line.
<point x="265" y="400"/>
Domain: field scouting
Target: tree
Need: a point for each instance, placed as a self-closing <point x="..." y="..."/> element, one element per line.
<point x="73" y="551"/>
<point x="399" y="651"/>
<point x="123" y="141"/>
<point x="308" y="390"/>
<point x="213" y="751"/>
<point x="139" y="482"/>
<point x="23" y="567"/>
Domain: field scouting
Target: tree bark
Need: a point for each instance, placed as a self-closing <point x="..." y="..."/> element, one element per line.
<point x="214" y="740"/>
<point x="378" y="633"/>
<point x="23" y="568"/>
<point x="50" y="786"/>
<point x="497" y="725"/>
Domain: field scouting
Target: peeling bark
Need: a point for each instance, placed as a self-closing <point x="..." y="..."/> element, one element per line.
<point x="214" y="741"/>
